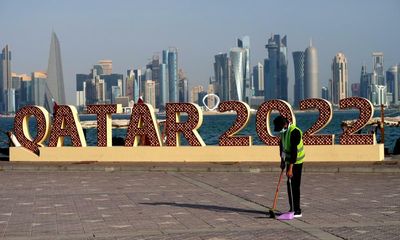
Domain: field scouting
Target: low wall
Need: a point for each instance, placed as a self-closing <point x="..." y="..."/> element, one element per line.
<point x="314" y="153"/>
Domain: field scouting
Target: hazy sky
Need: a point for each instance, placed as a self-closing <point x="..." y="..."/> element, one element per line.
<point x="130" y="32"/>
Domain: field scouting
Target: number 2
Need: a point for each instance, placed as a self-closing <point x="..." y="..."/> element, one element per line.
<point x="325" y="116"/>
<point x="243" y="116"/>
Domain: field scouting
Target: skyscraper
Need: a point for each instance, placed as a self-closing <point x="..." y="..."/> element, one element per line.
<point x="6" y="84"/>
<point x="173" y="74"/>
<point x="364" y="83"/>
<point x="236" y="86"/>
<point x="129" y="84"/>
<point x="340" y="78"/>
<point x="311" y="81"/>
<point x="164" y="86"/>
<point x="183" y="87"/>
<point x="355" y="89"/>
<point x="275" y="69"/>
<point x="137" y="84"/>
<point x="377" y="67"/>
<point x="55" y="79"/>
<point x="194" y="94"/>
<point x="244" y="42"/>
<point x="39" y="87"/>
<point x="325" y="93"/>
<point x="298" y="62"/>
<point x="150" y="94"/>
<point x="222" y="74"/>
<point x="258" y="79"/>
<point x="392" y="78"/>
<point x="107" y="66"/>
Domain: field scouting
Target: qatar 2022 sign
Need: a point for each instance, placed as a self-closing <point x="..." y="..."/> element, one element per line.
<point x="143" y="123"/>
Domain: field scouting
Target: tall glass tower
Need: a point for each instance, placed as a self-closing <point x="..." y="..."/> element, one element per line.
<point x="244" y="42"/>
<point x="275" y="69"/>
<point x="238" y="59"/>
<point x="392" y="78"/>
<point x="164" y="86"/>
<point x="222" y="73"/>
<point x="173" y="74"/>
<point x="6" y="83"/>
<point x="298" y="60"/>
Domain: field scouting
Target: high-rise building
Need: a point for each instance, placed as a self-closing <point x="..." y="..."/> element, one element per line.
<point x="222" y="75"/>
<point x="194" y="94"/>
<point x="106" y="66"/>
<point x="155" y="68"/>
<point x="298" y="62"/>
<point x="325" y="93"/>
<point x="26" y="90"/>
<point x="200" y="97"/>
<point x="311" y="81"/>
<point x="164" y="86"/>
<point x="55" y="79"/>
<point x="258" y="79"/>
<point x="150" y="94"/>
<point x="39" y="89"/>
<point x="377" y="67"/>
<point x="17" y="81"/>
<point x="211" y="101"/>
<point x="373" y="85"/>
<point x="6" y="81"/>
<point x="129" y="84"/>
<point x="355" y="89"/>
<point x="165" y="57"/>
<point x="340" y="78"/>
<point x="110" y="80"/>
<point x="364" y="83"/>
<point x="275" y="69"/>
<point x="173" y="74"/>
<point x="236" y="85"/>
<point x="137" y="84"/>
<point x="392" y="79"/>
<point x="183" y="87"/>
<point x="244" y="43"/>
<point x="115" y="93"/>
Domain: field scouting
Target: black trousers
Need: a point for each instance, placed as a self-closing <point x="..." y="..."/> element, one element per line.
<point x="296" y="182"/>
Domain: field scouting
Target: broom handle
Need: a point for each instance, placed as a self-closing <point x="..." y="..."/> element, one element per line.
<point x="291" y="192"/>
<point x="277" y="191"/>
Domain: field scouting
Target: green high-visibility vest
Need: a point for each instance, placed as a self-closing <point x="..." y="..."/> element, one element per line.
<point x="286" y="145"/>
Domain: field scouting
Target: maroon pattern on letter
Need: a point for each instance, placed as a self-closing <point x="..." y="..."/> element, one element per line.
<point x="366" y="112"/>
<point x="325" y="115"/>
<point x="173" y="127"/>
<point x="103" y="113"/>
<point x="66" y="123"/>
<point x="243" y="115"/>
<point x="21" y="127"/>
<point x="263" y="117"/>
<point x="142" y="124"/>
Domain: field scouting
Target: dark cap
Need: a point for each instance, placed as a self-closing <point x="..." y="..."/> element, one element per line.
<point x="279" y="123"/>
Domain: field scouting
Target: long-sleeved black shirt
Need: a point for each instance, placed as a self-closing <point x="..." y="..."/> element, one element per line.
<point x="295" y="137"/>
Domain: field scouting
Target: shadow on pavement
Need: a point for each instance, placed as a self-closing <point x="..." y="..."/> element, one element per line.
<point x="207" y="207"/>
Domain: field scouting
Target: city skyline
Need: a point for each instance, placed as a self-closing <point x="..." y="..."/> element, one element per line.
<point x="85" y="41"/>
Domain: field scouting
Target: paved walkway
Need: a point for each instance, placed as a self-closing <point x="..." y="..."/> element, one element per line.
<point x="194" y="205"/>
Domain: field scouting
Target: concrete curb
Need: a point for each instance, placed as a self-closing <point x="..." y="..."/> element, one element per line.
<point x="391" y="166"/>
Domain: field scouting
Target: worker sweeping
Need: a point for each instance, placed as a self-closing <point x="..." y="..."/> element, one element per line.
<point x="292" y="157"/>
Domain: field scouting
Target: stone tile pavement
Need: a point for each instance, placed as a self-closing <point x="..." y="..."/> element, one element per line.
<point x="194" y="205"/>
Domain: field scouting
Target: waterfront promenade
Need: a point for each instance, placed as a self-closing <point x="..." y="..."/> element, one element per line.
<point x="195" y="201"/>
